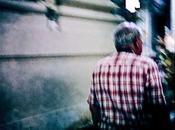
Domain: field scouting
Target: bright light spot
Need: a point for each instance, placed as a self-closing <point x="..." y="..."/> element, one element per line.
<point x="169" y="43"/>
<point x="131" y="5"/>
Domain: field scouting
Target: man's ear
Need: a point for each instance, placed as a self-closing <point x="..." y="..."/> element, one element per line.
<point x="137" y="46"/>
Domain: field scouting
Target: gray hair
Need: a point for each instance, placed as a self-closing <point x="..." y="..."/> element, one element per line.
<point x="125" y="35"/>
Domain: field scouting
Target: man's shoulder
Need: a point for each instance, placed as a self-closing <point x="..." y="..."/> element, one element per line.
<point x="140" y="60"/>
<point x="104" y="61"/>
<point x="147" y="60"/>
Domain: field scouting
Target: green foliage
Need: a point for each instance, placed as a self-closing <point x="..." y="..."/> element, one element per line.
<point x="167" y="66"/>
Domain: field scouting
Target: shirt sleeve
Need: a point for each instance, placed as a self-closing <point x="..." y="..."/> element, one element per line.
<point x="155" y="85"/>
<point x="91" y="98"/>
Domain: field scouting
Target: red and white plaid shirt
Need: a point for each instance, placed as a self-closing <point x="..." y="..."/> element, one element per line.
<point x="118" y="87"/>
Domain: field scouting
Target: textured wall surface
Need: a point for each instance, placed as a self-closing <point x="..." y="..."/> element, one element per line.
<point x="29" y="34"/>
<point x="44" y="74"/>
<point x="48" y="92"/>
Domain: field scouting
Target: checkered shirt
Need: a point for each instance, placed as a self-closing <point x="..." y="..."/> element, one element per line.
<point x="118" y="86"/>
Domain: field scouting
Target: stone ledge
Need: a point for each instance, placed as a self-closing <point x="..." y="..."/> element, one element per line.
<point x="77" y="8"/>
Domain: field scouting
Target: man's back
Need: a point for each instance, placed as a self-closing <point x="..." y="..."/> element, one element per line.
<point x="119" y="87"/>
<point x="126" y="91"/>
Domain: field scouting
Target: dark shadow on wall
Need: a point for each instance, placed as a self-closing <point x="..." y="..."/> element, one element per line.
<point x="7" y="16"/>
<point x="84" y="123"/>
<point x="41" y="104"/>
<point x="5" y="101"/>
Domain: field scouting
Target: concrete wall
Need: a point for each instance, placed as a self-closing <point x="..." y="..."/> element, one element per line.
<point x="44" y="74"/>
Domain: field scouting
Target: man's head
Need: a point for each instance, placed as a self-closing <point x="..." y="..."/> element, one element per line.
<point x="127" y="38"/>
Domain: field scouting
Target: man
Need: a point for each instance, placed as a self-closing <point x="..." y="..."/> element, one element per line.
<point x="126" y="91"/>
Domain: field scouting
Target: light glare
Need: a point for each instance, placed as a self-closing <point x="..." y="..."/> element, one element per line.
<point x="131" y="5"/>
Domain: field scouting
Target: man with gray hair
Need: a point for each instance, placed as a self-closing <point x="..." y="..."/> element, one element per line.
<point x="126" y="91"/>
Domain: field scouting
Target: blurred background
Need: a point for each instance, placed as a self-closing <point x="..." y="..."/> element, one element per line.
<point x="48" y="49"/>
